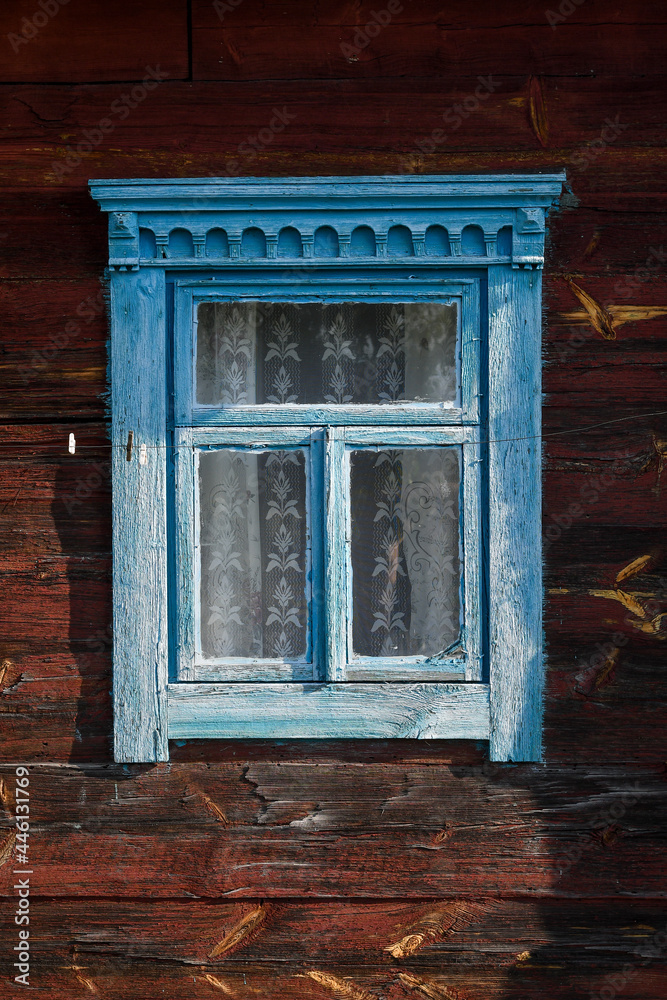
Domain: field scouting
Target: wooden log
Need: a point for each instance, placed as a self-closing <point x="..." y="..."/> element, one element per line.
<point x="109" y="43"/>
<point x="361" y="47"/>
<point x="318" y="830"/>
<point x="393" y="117"/>
<point x="456" y="16"/>
<point x="119" y="979"/>
<point x="477" y="934"/>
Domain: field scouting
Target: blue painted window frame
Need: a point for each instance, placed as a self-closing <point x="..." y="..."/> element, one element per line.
<point x="173" y="243"/>
<point x="367" y="426"/>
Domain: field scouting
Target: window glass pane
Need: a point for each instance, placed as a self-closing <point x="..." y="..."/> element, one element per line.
<point x="254" y="554"/>
<point x="344" y="352"/>
<point x="405" y="551"/>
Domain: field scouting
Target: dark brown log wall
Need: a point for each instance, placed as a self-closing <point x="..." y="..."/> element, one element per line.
<point x="381" y="870"/>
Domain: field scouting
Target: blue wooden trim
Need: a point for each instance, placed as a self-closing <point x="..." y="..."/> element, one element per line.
<point x="252" y="437"/>
<point x="468" y="664"/>
<point x="317" y="607"/>
<point x="139" y="408"/>
<point x="329" y="711"/>
<point x="243" y="194"/>
<point x="341" y="415"/>
<point x="184" y="324"/>
<point x="335" y="566"/>
<point x="469" y="340"/>
<point x="509" y="502"/>
<point x="304" y="204"/>
<point x="340" y="264"/>
<point x="418" y="282"/>
<point x="472" y="555"/>
<point x="415" y="669"/>
<point x="515" y="562"/>
<point x="394" y="436"/>
<point x="187" y="583"/>
<point x="465" y="292"/>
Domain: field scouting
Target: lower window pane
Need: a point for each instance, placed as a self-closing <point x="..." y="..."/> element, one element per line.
<point x="254" y="554"/>
<point x="405" y="551"/>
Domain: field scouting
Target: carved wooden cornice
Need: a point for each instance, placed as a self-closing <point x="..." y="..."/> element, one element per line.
<point x="332" y="220"/>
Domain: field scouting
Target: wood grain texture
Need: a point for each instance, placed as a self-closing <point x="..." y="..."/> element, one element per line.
<point x="176" y="131"/>
<point x="515" y="578"/>
<point x="340" y="46"/>
<point x="528" y="832"/>
<point x="138" y="372"/>
<point x="54" y="42"/>
<point x="329" y="711"/>
<point x="55" y="642"/>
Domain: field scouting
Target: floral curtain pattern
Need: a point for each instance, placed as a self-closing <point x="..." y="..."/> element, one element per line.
<point x="254" y="557"/>
<point x="404" y="502"/>
<point x="406" y="582"/>
<point x="347" y="352"/>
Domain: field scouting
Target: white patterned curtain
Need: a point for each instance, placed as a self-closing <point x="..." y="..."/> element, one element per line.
<point x="347" y="352"/>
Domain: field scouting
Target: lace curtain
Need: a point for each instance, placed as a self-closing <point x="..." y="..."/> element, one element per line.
<point x="347" y="352"/>
<point x="254" y="554"/>
<point x="404" y="502"/>
<point x="405" y="551"/>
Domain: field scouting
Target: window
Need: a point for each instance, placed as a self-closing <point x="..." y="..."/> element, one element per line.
<point x="326" y="459"/>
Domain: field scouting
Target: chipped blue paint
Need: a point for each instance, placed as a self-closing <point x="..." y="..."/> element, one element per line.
<point x="400" y="238"/>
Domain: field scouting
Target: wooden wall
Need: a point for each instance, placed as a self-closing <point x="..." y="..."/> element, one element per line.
<point x="340" y="870"/>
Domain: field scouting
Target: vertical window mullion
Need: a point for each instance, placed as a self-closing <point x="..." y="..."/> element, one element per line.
<point x="317" y="600"/>
<point x="335" y="554"/>
<point x="471" y="539"/>
<point x="186" y="590"/>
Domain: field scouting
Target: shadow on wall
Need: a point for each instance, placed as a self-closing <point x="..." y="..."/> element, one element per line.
<point x="531" y="871"/>
<point x="81" y="511"/>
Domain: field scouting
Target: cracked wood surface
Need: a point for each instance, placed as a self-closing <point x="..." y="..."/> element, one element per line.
<point x="361" y="830"/>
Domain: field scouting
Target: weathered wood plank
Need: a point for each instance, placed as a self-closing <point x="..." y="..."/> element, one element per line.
<point x="329" y="711"/>
<point x="223" y="830"/>
<point x="515" y="575"/>
<point x="394" y="117"/>
<point x="52" y="42"/>
<point x="422" y="44"/>
<point x="121" y="979"/>
<point x="54" y="355"/>
<point x="481" y="934"/>
<point x="139" y="409"/>
<point x="455" y="17"/>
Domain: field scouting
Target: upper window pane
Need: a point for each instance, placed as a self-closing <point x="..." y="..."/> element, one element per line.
<point x="326" y="353"/>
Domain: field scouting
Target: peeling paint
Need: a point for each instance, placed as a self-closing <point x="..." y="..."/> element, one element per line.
<point x="641" y="619"/>
<point x="7" y="848"/>
<point x="342" y="988"/>
<point x="593" y="243"/>
<point x="218" y="984"/>
<point x="212" y="807"/>
<point x="660" y="447"/>
<point x="538" y="110"/>
<point x="4" y="667"/>
<point x="619" y="314"/>
<point x="429" y="989"/>
<point x="599" y="317"/>
<point x="434" y="925"/>
<point x="633" y="568"/>
<point x="240" y="932"/>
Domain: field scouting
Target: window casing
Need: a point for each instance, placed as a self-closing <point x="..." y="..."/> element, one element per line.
<point x="325" y="398"/>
